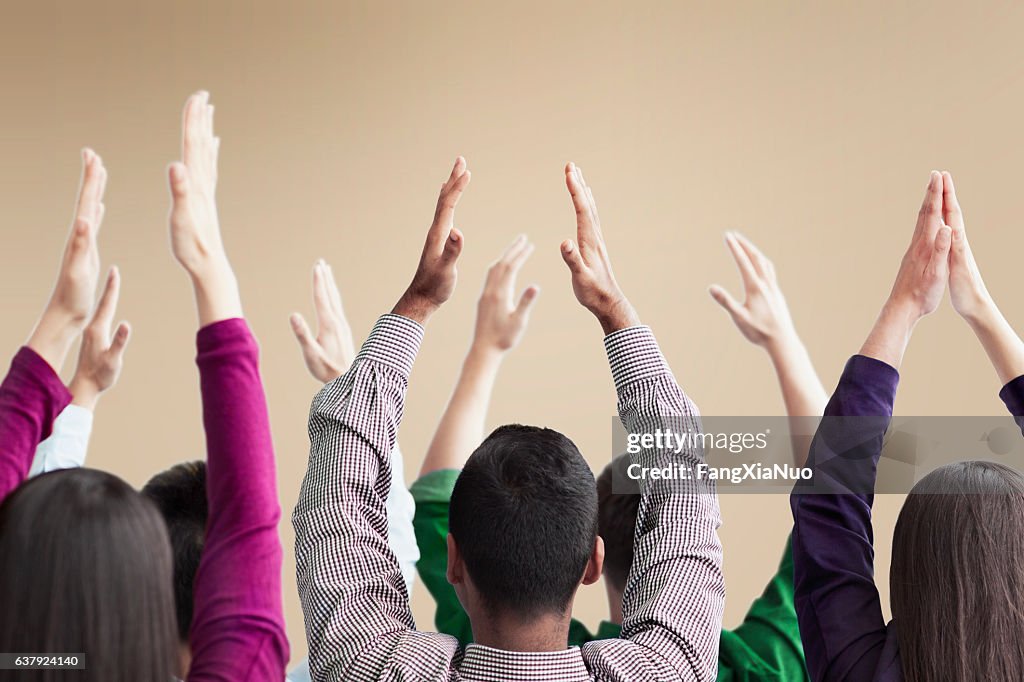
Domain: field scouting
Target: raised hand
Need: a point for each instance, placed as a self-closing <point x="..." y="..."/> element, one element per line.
<point x="592" y="279"/>
<point x="763" y="317"/>
<point x="195" y="230"/>
<point x="101" y="355"/>
<point x="967" y="291"/>
<point x="329" y="354"/>
<point x="500" y="319"/>
<point x="436" y="275"/>
<point x="920" y="283"/>
<point x="69" y="306"/>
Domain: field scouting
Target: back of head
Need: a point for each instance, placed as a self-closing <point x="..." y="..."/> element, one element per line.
<point x="524" y="517"/>
<point x="957" y="575"/>
<point x="618" y="498"/>
<point x="86" y="569"/>
<point x="180" y="495"/>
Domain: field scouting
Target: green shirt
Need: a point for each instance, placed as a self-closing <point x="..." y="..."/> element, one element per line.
<point x="765" y="647"/>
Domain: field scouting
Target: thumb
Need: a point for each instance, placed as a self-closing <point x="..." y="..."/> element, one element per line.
<point x="526" y="302"/>
<point x="571" y="256"/>
<point x="178" y="176"/>
<point x="301" y="330"/>
<point x="725" y="299"/>
<point x="121" y="337"/>
<point x="452" y="247"/>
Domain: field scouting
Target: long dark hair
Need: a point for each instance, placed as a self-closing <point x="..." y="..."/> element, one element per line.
<point x="957" y="575"/>
<point x="85" y="567"/>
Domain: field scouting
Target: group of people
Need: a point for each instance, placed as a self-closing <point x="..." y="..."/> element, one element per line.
<point x="183" y="578"/>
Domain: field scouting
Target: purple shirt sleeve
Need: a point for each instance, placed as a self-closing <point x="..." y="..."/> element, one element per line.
<point x="837" y="603"/>
<point x="238" y="630"/>
<point x="31" y="397"/>
<point x="1013" y="397"/>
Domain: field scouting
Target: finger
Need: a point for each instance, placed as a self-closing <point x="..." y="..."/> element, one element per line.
<point x="321" y="298"/>
<point x="951" y="213"/>
<point x="929" y="218"/>
<point x="302" y="331"/>
<point x="581" y="203"/>
<point x="177" y="174"/>
<point x="725" y="299"/>
<point x="444" y="214"/>
<point x="457" y="170"/>
<point x="334" y="292"/>
<point x="571" y="256"/>
<point x="747" y="270"/>
<point x="89" y="189"/>
<point x="103" y="318"/>
<point x="761" y="264"/>
<point x="452" y="247"/>
<point x="513" y="249"/>
<point x="120" y="342"/>
<point x="520" y="258"/>
<point x="526" y="301"/>
<point x="193" y="127"/>
<point x="938" y="265"/>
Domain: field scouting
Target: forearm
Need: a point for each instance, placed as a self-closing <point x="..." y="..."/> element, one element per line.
<point x="216" y="292"/>
<point x="1003" y="346"/>
<point x="53" y="337"/>
<point x="802" y="391"/>
<point x="31" y="397"/>
<point x="888" y="339"/>
<point x="462" y="425"/>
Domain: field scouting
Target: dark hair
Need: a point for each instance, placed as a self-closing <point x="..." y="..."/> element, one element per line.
<point x="957" y="575"/>
<point x="85" y="567"/>
<point x="524" y="516"/>
<point x="180" y="495"/>
<point x="618" y="502"/>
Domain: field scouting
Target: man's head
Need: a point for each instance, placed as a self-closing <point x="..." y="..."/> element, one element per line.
<point x="618" y="498"/>
<point x="523" y="520"/>
<point x="180" y="495"/>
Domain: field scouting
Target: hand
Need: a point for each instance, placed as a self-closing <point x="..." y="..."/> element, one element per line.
<point x="924" y="271"/>
<point x="592" y="279"/>
<point x="967" y="290"/>
<point x="436" y="275"/>
<point x="101" y="355"/>
<point x="920" y="282"/>
<point x="195" y="229"/>
<point x="500" y="320"/>
<point x="763" y="318"/>
<point x="329" y="354"/>
<point x="68" y="309"/>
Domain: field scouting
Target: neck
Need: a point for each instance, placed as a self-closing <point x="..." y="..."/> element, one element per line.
<point x="614" y="602"/>
<point x="509" y="633"/>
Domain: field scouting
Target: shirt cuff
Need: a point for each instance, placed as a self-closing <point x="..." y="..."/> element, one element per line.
<point x="75" y="422"/>
<point x="1012" y="395"/>
<point x="213" y="336"/>
<point x="394" y="341"/>
<point x="879" y="379"/>
<point x="634" y="355"/>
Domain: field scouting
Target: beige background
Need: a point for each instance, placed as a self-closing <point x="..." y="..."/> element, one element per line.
<point x="812" y="128"/>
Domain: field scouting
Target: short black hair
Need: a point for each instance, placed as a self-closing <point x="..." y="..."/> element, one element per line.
<point x="524" y="516"/>
<point x="618" y="502"/>
<point x="180" y="495"/>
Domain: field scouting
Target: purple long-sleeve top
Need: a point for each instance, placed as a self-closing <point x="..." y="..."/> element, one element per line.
<point x="238" y="630"/>
<point x="845" y="636"/>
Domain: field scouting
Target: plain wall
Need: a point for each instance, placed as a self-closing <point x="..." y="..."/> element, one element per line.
<point x="811" y="127"/>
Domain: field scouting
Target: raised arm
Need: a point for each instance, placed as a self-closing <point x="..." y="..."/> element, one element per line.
<point x="32" y="394"/>
<point x="674" y="596"/>
<point x="328" y="355"/>
<point x="100" y="359"/>
<point x="764" y="320"/>
<point x="358" y="621"/>
<point x="500" y="323"/>
<point x="837" y="602"/>
<point x="238" y="627"/>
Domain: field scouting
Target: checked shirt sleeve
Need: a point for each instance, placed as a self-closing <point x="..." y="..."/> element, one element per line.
<point x="674" y="597"/>
<point x="358" y="621"/>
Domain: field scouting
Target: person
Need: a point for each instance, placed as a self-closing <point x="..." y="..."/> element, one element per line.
<point x="180" y="492"/>
<point x="766" y="646"/>
<point x="957" y="557"/>
<point x="523" y="512"/>
<point x="104" y="538"/>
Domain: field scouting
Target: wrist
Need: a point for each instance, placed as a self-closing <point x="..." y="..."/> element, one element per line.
<point x="84" y="393"/>
<point x="415" y="307"/>
<point x="784" y="347"/>
<point x="619" y="315"/>
<point x="982" y="315"/>
<point x="53" y="335"/>
<point x="482" y="352"/>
